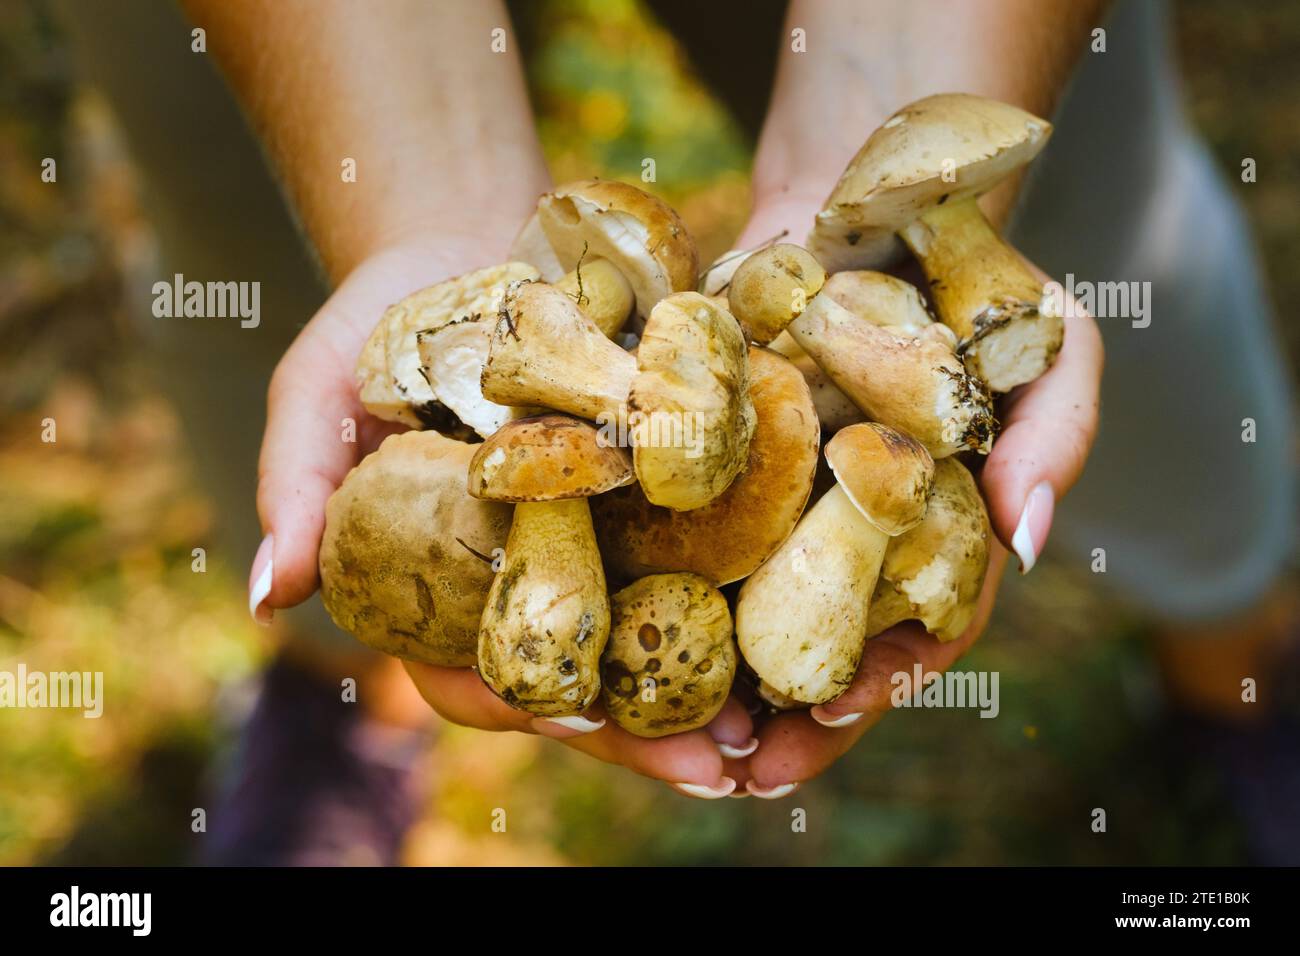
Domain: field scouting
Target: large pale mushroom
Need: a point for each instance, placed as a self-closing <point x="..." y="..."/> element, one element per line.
<point x="919" y="176"/>
<point x="404" y="560"/>
<point x="801" y="619"/>
<point x="911" y="381"/>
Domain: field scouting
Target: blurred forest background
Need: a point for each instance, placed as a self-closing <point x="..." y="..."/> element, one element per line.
<point x="96" y="532"/>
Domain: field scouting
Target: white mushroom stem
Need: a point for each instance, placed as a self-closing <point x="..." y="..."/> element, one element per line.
<point x="1009" y="333"/>
<point x="801" y="618"/>
<point x="545" y="352"/>
<point x="914" y="383"/>
<point x="547" y="615"/>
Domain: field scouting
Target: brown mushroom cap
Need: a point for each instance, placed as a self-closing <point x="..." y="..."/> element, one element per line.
<point x="546" y="458"/>
<point x="731" y="536"/>
<point x="637" y="232"/>
<point x="885" y="473"/>
<point x="396" y="565"/>
<point x="909" y="164"/>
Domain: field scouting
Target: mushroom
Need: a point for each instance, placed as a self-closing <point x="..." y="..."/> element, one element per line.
<point x="691" y="416"/>
<point x="881" y="299"/>
<point x="919" y="176"/>
<point x="389" y="372"/>
<point x="728" y="538"/>
<point x="934" y="572"/>
<point x="801" y="618"/>
<point x="403" y="560"/>
<point x="834" y="408"/>
<point x="547" y="614"/>
<point x="670" y="659"/>
<point x="683" y="400"/>
<point x="912" y="382"/>
<point x="640" y="235"/>
<point x="545" y="351"/>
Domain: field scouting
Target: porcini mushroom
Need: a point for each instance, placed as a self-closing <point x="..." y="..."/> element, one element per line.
<point x="912" y="382"/>
<point x="546" y="619"/>
<point x="404" y="560"/>
<point x="683" y="400"/>
<point x="691" y="416"/>
<point x="389" y="371"/>
<point x="834" y="408"/>
<point x="640" y="235"/>
<point x="732" y="535"/>
<point x="919" y="176"/>
<point x="670" y="659"/>
<point x="545" y="351"/>
<point x="801" y="619"/>
<point x="934" y="572"/>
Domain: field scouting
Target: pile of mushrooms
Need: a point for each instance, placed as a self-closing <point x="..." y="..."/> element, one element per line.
<point x="607" y="496"/>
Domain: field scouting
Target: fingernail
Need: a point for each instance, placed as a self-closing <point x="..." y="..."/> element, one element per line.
<point x="259" y="582"/>
<point x="738" y="795"/>
<point x="579" y="723"/>
<point x="1035" y="522"/>
<point x="735" y="753"/>
<point x="707" y="793"/>
<point x="775" y="793"/>
<point x="842" y="721"/>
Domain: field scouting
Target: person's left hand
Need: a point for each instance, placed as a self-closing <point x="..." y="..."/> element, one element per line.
<point x="1047" y="431"/>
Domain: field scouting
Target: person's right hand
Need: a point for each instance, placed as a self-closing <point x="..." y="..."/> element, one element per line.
<point x="304" y="458"/>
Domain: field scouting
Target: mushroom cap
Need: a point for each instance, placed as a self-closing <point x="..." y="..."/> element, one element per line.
<point x="546" y="458"/>
<point x="935" y="571"/>
<point x="637" y="232"/>
<point x="388" y="373"/>
<point x="942" y="148"/>
<point x="771" y="287"/>
<point x="732" y="535"/>
<point x="690" y="413"/>
<point x="881" y="299"/>
<point x="670" y="633"/>
<point x="886" y="474"/>
<point x="396" y="567"/>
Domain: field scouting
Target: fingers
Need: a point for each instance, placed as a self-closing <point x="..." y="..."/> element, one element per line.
<point x="1048" y="429"/>
<point x="691" y="762"/>
<point x="315" y="432"/>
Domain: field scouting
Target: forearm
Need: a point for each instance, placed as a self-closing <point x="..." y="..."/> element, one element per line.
<point x="437" y="123"/>
<point x="864" y="60"/>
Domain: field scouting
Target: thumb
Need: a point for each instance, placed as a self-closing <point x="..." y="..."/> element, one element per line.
<point x="1048" y="429"/>
<point x="316" y="431"/>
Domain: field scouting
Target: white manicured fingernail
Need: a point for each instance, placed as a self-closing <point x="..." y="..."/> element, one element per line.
<point x="259" y="579"/>
<point x="775" y="793"/>
<point x="735" y="753"/>
<point x="707" y="793"/>
<point x="842" y="721"/>
<point x="579" y="723"/>
<point x="1035" y="522"/>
